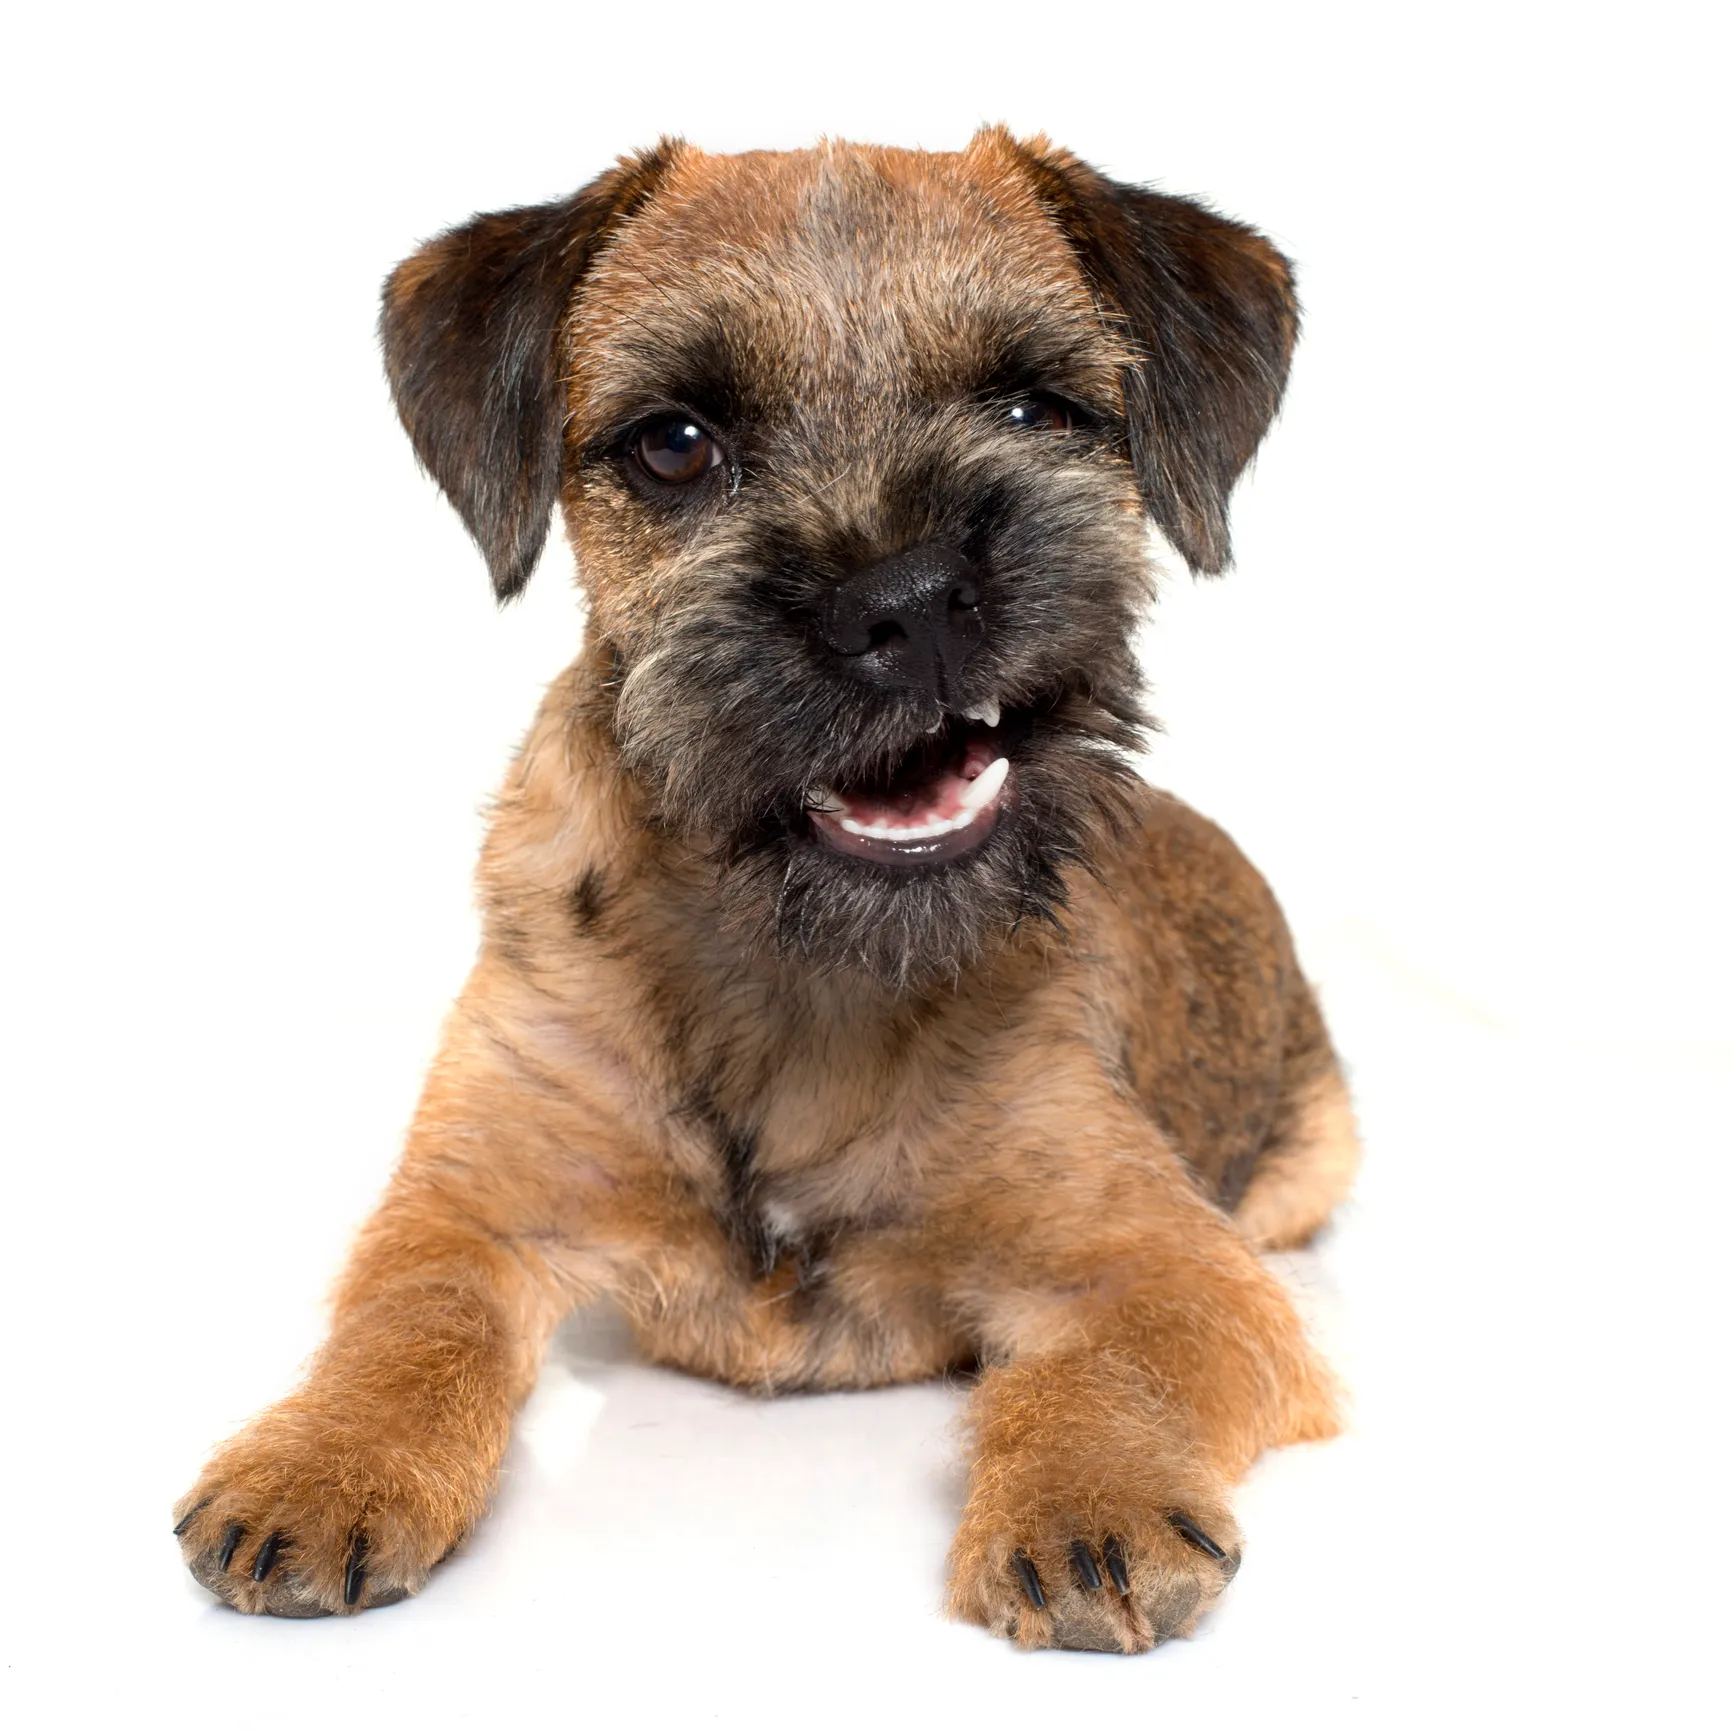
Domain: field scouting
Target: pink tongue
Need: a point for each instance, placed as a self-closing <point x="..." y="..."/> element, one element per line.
<point x="930" y="802"/>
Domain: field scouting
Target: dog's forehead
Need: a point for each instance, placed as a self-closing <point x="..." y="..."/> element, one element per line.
<point x="840" y="274"/>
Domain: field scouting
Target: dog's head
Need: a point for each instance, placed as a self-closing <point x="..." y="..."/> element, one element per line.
<point x="854" y="446"/>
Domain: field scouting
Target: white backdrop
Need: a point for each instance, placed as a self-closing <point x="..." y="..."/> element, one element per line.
<point x="1463" y="699"/>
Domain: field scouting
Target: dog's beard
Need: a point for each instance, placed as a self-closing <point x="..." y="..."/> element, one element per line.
<point x="910" y="928"/>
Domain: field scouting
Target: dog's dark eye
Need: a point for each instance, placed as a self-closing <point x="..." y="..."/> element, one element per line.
<point x="676" y="450"/>
<point x="1041" y="413"/>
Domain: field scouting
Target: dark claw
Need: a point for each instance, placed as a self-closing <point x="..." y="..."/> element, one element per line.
<point x="1083" y="1562"/>
<point x="1113" y="1555"/>
<point x="267" y="1556"/>
<point x="230" y="1540"/>
<point x="185" y="1521"/>
<point x="1030" y="1581"/>
<point x="1193" y="1535"/>
<point x="355" y="1576"/>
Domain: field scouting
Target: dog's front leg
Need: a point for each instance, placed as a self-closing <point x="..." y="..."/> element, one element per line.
<point x="1139" y="1357"/>
<point x="346" y="1494"/>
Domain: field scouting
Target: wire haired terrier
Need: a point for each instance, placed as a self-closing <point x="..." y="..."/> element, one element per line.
<point x="848" y="1010"/>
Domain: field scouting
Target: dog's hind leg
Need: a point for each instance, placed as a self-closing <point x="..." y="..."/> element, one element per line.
<point x="1312" y="1155"/>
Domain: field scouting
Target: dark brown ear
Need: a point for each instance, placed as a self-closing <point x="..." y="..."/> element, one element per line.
<point x="470" y="327"/>
<point x="1207" y="305"/>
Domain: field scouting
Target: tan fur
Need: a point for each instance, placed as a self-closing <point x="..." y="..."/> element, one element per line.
<point x="1307" y="1175"/>
<point x="1032" y="1168"/>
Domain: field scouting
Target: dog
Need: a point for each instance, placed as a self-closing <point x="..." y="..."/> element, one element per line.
<point x="848" y="1011"/>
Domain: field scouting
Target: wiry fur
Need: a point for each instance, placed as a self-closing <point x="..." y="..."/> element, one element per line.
<point x="813" y="1122"/>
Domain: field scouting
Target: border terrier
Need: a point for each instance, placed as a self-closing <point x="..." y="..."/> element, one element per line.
<point x="848" y="1010"/>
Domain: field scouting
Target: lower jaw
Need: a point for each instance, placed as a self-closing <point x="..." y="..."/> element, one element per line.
<point x="927" y="851"/>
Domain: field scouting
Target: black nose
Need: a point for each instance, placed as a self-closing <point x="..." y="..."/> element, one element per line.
<point x="906" y="623"/>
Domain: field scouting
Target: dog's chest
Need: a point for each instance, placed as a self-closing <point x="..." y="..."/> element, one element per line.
<point x="810" y="1133"/>
<point x="801" y="1206"/>
<point x="801" y="1177"/>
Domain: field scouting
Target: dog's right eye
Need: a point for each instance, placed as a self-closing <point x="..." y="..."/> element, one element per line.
<point x="1041" y="411"/>
<point x="676" y="450"/>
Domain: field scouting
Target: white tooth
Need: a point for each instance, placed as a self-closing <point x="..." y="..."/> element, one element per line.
<point x="984" y="788"/>
<point x="909" y="832"/>
<point x="987" y="713"/>
<point x="937" y="724"/>
<point x="822" y="800"/>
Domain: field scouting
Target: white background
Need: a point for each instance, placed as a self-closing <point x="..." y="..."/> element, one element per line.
<point x="1464" y="699"/>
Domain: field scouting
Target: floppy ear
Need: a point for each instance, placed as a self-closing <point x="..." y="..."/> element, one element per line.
<point x="470" y="327"/>
<point x="1207" y="306"/>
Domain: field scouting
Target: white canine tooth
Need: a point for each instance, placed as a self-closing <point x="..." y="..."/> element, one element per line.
<point x="986" y="713"/>
<point x="938" y="722"/>
<point x="985" y="787"/>
<point x="822" y="800"/>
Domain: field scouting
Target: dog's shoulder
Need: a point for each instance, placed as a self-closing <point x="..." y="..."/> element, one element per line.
<point x="1171" y="866"/>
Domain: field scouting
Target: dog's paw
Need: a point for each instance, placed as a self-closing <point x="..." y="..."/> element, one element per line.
<point x="300" y="1517"/>
<point x="1092" y="1576"/>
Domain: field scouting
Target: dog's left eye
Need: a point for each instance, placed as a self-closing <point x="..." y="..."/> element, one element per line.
<point x="1042" y="413"/>
<point x="676" y="450"/>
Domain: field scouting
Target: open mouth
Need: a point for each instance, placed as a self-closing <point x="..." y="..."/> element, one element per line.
<point x="940" y="802"/>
